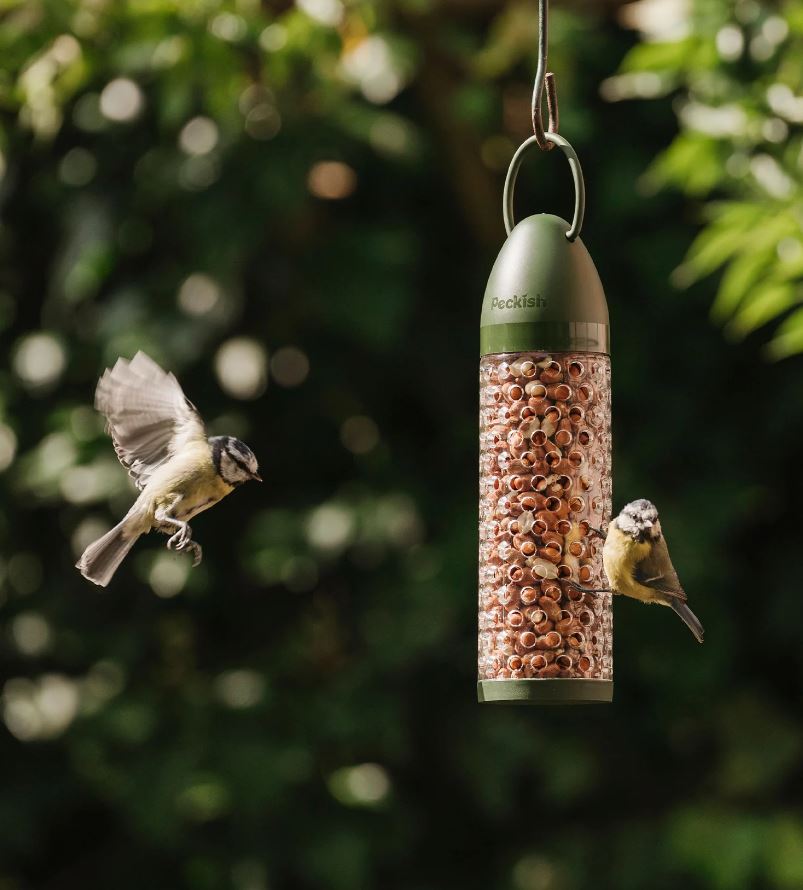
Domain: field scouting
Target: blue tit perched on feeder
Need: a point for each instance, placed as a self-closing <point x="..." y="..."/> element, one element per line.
<point x="638" y="565"/>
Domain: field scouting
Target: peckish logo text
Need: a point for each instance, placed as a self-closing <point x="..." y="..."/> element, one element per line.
<point x="522" y="302"/>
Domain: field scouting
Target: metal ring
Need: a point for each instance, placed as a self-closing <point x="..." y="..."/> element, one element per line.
<point x="577" y="175"/>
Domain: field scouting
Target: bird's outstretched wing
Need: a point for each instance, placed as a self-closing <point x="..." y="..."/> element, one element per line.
<point x="148" y="416"/>
<point x="656" y="571"/>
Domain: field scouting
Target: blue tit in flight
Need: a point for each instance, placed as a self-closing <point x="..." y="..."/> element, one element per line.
<point x="637" y="562"/>
<point x="161" y="440"/>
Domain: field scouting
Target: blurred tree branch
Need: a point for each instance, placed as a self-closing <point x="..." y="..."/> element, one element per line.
<point x="439" y="78"/>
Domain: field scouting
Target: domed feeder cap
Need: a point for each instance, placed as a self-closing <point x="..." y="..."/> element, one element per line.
<point x="544" y="294"/>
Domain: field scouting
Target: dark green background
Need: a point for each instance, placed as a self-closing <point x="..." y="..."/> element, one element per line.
<point x="131" y="763"/>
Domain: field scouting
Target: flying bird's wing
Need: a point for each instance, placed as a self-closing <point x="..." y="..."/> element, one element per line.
<point x="656" y="571"/>
<point x="148" y="416"/>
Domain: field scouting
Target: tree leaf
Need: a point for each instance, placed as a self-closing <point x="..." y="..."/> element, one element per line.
<point x="742" y="274"/>
<point x="659" y="57"/>
<point x="789" y="339"/>
<point x="693" y="162"/>
<point x="762" y="306"/>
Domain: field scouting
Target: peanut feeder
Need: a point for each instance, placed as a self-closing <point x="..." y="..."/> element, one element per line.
<point x="545" y="462"/>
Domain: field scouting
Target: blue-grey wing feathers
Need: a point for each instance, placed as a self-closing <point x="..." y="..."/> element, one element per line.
<point x="657" y="572"/>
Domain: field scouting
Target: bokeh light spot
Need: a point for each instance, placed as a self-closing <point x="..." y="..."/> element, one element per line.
<point x="31" y="633"/>
<point x="8" y="446"/>
<point x="241" y="368"/>
<point x="77" y="167"/>
<point x="392" y="135"/>
<point x="39" y="360"/>
<point x="85" y="424"/>
<point x="87" y="115"/>
<point x="289" y="366"/>
<point x="198" y="136"/>
<point x="535" y="873"/>
<point x="359" y="434"/>
<point x="40" y="709"/>
<point x="398" y="517"/>
<point x="331" y="180"/>
<point x="104" y="681"/>
<point x="371" y="65"/>
<point x="229" y="27"/>
<point x="204" y="800"/>
<point x="121" y="100"/>
<point x="327" y="12"/>
<point x="330" y="527"/>
<point x="249" y="874"/>
<point x="263" y="122"/>
<point x="730" y="42"/>
<point x="366" y="785"/>
<point x="89" y="482"/>
<point x="199" y="294"/>
<point x="240" y="689"/>
<point x="198" y="173"/>
<point x="168" y="574"/>
<point x="273" y="38"/>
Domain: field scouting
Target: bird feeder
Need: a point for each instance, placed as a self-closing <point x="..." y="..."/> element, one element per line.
<point x="545" y="453"/>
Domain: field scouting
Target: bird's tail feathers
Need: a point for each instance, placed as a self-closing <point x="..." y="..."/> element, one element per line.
<point x="689" y="619"/>
<point x="101" y="559"/>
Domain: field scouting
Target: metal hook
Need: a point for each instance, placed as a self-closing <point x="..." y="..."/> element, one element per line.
<point x="544" y="80"/>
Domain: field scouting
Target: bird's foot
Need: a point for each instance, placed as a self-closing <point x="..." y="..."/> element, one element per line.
<point x="197" y="553"/>
<point x="590" y="589"/>
<point x="181" y="539"/>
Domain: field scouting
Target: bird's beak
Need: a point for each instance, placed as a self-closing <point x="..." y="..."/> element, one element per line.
<point x="256" y="477"/>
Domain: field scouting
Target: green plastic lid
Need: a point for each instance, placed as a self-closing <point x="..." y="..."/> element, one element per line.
<point x="544" y="294"/>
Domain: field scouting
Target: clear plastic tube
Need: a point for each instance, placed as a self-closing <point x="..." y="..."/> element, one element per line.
<point x="545" y="486"/>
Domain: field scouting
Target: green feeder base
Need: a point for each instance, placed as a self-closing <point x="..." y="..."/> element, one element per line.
<point x="545" y="692"/>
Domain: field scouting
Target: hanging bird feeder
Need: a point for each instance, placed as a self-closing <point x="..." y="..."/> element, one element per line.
<point x="545" y="450"/>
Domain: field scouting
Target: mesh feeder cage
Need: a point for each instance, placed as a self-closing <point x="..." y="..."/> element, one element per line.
<point x="545" y="463"/>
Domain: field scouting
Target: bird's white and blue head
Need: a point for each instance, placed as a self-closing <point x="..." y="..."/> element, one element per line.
<point x="234" y="460"/>
<point x="639" y="520"/>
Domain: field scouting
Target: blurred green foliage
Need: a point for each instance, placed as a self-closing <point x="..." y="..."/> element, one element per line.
<point x="740" y="147"/>
<point x="295" y="208"/>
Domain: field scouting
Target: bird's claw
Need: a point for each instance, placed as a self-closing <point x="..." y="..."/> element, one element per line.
<point x="180" y="540"/>
<point x="197" y="553"/>
<point x="593" y="590"/>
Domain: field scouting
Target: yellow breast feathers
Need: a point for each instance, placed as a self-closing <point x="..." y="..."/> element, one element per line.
<point x="620" y="557"/>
